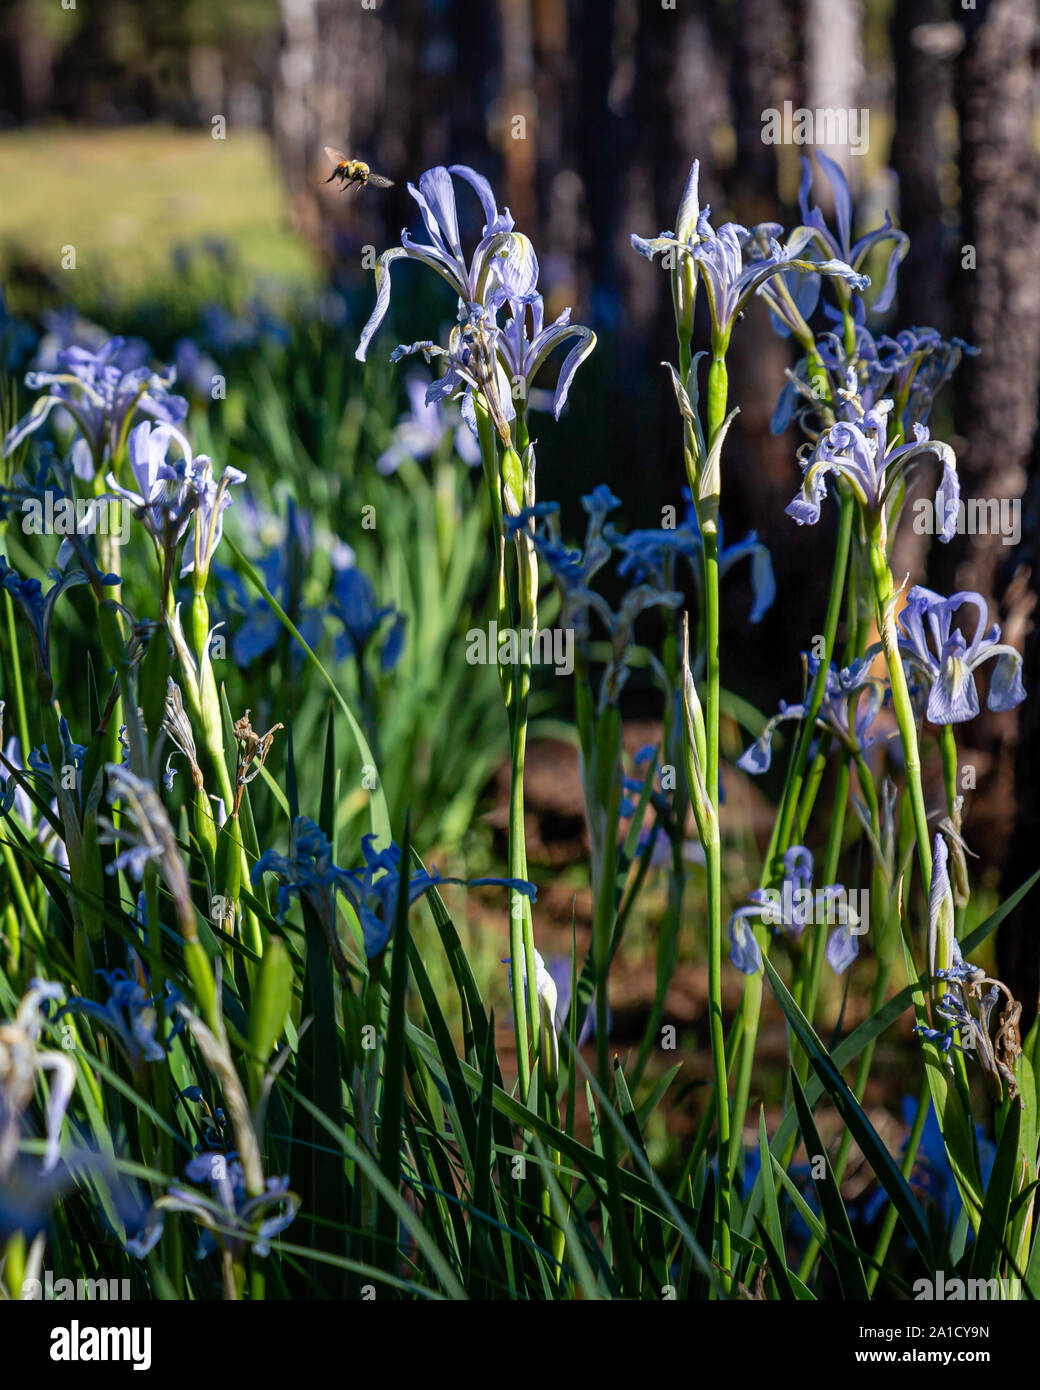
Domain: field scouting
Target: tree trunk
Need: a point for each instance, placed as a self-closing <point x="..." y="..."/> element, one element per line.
<point x="996" y="397"/>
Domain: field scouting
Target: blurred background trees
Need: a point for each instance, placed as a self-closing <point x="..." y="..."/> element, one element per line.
<point x="585" y="114"/>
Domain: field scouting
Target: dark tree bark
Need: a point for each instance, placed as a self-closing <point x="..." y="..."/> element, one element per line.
<point x="1018" y="944"/>
<point x="34" y="47"/>
<point x="330" y="89"/>
<point x="923" y="86"/>
<point x="997" y="401"/>
<point x="763" y="76"/>
<point x="999" y="300"/>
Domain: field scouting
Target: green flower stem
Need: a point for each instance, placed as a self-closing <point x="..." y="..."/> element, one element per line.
<point x="950" y="762"/>
<point x="810" y="790"/>
<point x="527" y="604"/>
<point x="939" y="1080"/>
<point x="884" y="966"/>
<point x="14" y="931"/>
<point x="213" y="741"/>
<point x="668" y="933"/>
<point x="25" y="905"/>
<point x="519" y="910"/>
<point x="718" y="391"/>
<point x="12" y="1266"/>
<point x="605" y="760"/>
<point x="15" y="669"/>
<point x="808" y="984"/>
<point x="17" y="695"/>
<point x="667" y="943"/>
<point x="884" y="598"/>
<point x="212" y="724"/>
<point x="784" y="824"/>
<point x="751" y="1003"/>
<point x="859" y="1086"/>
<point x="162" y="1135"/>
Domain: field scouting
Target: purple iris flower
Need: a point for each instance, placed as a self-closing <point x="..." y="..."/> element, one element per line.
<point x="921" y="362"/>
<point x="912" y="368"/>
<point x="99" y="390"/>
<point x="230" y="1218"/>
<point x="573" y="571"/>
<point x="285" y="565"/>
<point x="650" y="555"/>
<point x="720" y="258"/>
<point x="502" y="259"/>
<point x="858" y="452"/>
<point x="129" y="1016"/>
<point x="354" y="604"/>
<point x="559" y="968"/>
<point x="471" y="368"/>
<point x="172" y="495"/>
<point x="729" y="283"/>
<point x="13" y="794"/>
<point x="372" y="890"/>
<point x="522" y="353"/>
<point x="852" y="700"/>
<point x="38" y="607"/>
<point x="790" y="910"/>
<point x="158" y="501"/>
<point x="842" y="246"/>
<point x="945" y="663"/>
<point x="195" y="369"/>
<point x="67" y="328"/>
<point x="421" y="432"/>
<point x="226" y="332"/>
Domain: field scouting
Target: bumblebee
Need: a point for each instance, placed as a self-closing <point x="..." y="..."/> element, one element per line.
<point x="353" y="173"/>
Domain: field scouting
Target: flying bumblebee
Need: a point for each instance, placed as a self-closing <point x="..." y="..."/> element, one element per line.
<point x="353" y="173"/>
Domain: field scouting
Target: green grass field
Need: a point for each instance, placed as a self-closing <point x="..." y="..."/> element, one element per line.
<point x="125" y="198"/>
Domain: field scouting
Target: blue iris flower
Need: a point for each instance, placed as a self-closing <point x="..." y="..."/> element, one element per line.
<point x="421" y="432"/>
<point x="796" y="906"/>
<point x="98" y="389"/>
<point x="841" y="244"/>
<point x="503" y="259"/>
<point x="852" y="701"/>
<point x="945" y="663"/>
<point x="257" y="629"/>
<point x="229" y="1217"/>
<point x="522" y="352"/>
<point x="858" y="451"/>
<point x="129" y="1016"/>
<point x="932" y="1176"/>
<point x="372" y="890"/>
<point x="354" y="604"/>
<point x="37" y="607"/>
<point x="651" y="555"/>
<point x="574" y="569"/>
<point x="734" y="263"/>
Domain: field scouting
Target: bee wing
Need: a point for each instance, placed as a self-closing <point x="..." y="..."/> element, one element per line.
<point x="378" y="181"/>
<point x="337" y="156"/>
